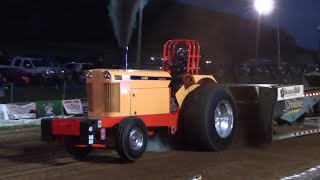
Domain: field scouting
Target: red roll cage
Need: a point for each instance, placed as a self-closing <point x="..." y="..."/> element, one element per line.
<point x="170" y="50"/>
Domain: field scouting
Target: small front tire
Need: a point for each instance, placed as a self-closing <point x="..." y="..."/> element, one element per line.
<point x="132" y="139"/>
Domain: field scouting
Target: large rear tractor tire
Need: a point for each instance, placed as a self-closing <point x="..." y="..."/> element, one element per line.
<point x="209" y="118"/>
<point x="132" y="139"/>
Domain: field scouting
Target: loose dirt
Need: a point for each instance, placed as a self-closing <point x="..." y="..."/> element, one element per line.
<point x="23" y="156"/>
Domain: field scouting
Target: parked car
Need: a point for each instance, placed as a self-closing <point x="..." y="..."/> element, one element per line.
<point x="35" y="66"/>
<point x="16" y="76"/>
<point x="76" y="70"/>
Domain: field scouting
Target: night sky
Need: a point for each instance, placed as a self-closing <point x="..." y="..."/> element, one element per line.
<point x="87" y="21"/>
<point x="298" y="17"/>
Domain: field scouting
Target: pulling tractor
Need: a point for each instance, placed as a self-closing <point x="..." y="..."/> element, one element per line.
<point x="125" y="107"/>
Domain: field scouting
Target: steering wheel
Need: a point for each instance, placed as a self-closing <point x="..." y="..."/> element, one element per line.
<point x="181" y="66"/>
<point x="167" y="65"/>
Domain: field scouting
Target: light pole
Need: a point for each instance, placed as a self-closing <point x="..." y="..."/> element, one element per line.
<point x="263" y="7"/>
<point x="258" y="37"/>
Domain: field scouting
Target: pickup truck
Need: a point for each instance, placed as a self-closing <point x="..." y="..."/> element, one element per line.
<point x="34" y="66"/>
<point x="37" y="69"/>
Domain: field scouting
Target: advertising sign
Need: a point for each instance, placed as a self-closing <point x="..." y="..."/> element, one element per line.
<point x="73" y="106"/>
<point x="84" y="103"/>
<point x="49" y="108"/>
<point x="290" y="92"/>
<point x="294" y="108"/>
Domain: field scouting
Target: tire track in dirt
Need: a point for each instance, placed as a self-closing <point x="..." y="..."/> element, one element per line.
<point x="40" y="169"/>
<point x="67" y="165"/>
<point x="40" y="162"/>
<point x="33" y="159"/>
<point x="34" y="163"/>
<point x="29" y="152"/>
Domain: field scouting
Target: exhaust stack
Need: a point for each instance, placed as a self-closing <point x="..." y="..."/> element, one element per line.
<point x="124" y="57"/>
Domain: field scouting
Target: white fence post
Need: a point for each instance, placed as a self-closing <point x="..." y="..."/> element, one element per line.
<point x="63" y="95"/>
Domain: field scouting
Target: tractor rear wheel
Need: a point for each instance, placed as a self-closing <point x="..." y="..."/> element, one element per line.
<point x="209" y="118"/>
<point x="132" y="139"/>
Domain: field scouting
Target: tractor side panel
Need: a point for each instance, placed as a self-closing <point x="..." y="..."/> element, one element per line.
<point x="150" y="101"/>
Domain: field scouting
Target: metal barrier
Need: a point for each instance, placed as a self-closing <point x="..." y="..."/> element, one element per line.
<point x="16" y="93"/>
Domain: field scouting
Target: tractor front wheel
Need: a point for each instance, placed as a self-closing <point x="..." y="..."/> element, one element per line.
<point x="132" y="139"/>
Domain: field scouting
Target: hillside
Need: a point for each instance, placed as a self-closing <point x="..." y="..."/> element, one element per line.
<point x="223" y="37"/>
<point x="71" y="32"/>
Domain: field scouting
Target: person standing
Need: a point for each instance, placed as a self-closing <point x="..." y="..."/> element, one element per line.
<point x="2" y="85"/>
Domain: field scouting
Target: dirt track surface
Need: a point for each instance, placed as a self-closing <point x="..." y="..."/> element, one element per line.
<point x="23" y="156"/>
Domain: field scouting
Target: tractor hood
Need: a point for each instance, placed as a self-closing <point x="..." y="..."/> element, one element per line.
<point x="138" y="74"/>
<point x="113" y="92"/>
<point x="133" y="78"/>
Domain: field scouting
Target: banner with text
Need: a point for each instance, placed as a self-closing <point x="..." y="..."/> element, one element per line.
<point x="73" y="106"/>
<point x="27" y="111"/>
<point x="84" y="104"/>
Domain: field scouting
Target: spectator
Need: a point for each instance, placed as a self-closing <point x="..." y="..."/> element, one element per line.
<point x="2" y="84"/>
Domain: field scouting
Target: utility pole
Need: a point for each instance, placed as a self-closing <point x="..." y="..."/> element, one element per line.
<point x="318" y="30"/>
<point x="139" y="36"/>
<point x="278" y="42"/>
